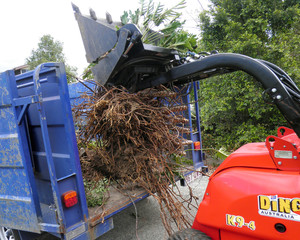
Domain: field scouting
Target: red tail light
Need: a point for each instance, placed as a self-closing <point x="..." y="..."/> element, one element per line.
<point x="197" y="145"/>
<point x="70" y="198"/>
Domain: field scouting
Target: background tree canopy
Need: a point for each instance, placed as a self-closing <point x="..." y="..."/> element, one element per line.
<point x="232" y="109"/>
<point x="50" y="50"/>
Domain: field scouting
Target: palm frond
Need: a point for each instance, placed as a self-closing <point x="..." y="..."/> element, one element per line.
<point x="171" y="27"/>
<point x="124" y="18"/>
<point x="157" y="13"/>
<point x="143" y="7"/>
<point x="169" y="13"/>
<point x="148" y="10"/>
<point x="161" y="26"/>
<point x="135" y="16"/>
<point x="153" y="38"/>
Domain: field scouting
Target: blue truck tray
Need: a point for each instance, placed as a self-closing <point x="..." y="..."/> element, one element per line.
<point x="39" y="159"/>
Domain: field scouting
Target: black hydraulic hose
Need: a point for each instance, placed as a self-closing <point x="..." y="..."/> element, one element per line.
<point x="275" y="67"/>
<point x="270" y="82"/>
<point x="289" y="84"/>
<point x="278" y="71"/>
<point x="233" y="61"/>
<point x="293" y="93"/>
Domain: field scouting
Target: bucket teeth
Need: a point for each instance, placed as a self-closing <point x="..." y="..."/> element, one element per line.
<point x="75" y="8"/>
<point x="109" y="18"/>
<point x="93" y="14"/>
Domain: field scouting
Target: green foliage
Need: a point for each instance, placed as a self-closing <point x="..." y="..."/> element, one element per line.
<point x="232" y="109"/>
<point x="87" y="72"/>
<point x="95" y="192"/>
<point x="50" y="50"/>
<point x="161" y="26"/>
<point x="221" y="153"/>
<point x="180" y="160"/>
<point x="233" y="112"/>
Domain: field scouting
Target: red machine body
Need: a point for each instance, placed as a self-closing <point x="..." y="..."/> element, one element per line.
<point x="255" y="193"/>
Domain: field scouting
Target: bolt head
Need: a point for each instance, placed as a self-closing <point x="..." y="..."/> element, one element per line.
<point x="278" y="97"/>
<point x="295" y="157"/>
<point x="279" y="163"/>
<point x="274" y="90"/>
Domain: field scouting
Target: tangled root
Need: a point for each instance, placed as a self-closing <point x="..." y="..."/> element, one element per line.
<point x="130" y="137"/>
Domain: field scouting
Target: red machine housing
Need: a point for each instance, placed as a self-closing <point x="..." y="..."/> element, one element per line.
<point x="255" y="193"/>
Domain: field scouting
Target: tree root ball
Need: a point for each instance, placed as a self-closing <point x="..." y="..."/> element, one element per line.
<point x="129" y="138"/>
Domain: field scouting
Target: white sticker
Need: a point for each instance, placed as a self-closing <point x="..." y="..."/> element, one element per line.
<point x="283" y="154"/>
<point x="279" y="207"/>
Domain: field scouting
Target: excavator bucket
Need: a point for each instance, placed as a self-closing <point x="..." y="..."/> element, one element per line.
<point x="99" y="39"/>
<point x="99" y="35"/>
<point x="119" y="56"/>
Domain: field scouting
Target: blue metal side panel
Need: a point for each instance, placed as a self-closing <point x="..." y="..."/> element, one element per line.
<point x="17" y="190"/>
<point x="54" y="148"/>
<point x="77" y="89"/>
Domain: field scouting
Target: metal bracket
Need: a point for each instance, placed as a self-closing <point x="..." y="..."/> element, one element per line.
<point x="24" y="102"/>
<point x="22" y="113"/>
<point x="283" y="153"/>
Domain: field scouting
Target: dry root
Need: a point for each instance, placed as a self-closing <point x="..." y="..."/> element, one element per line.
<point x="130" y="137"/>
